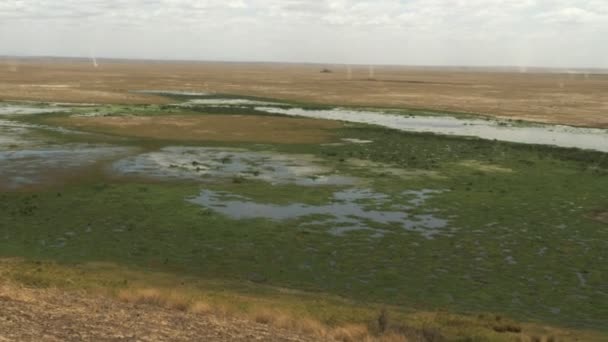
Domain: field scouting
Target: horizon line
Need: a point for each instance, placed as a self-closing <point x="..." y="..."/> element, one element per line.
<point x="522" y="68"/>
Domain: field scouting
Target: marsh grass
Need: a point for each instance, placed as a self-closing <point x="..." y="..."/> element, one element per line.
<point x="517" y="239"/>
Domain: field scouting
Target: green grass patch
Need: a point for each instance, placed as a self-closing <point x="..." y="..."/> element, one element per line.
<point x="522" y="239"/>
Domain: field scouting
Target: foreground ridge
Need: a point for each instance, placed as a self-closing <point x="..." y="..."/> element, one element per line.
<point x="54" y="315"/>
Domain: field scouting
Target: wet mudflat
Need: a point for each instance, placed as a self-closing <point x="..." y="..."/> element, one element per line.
<point x="29" y="158"/>
<point x="11" y="135"/>
<point x="15" y="109"/>
<point x="348" y="210"/>
<point x="45" y="165"/>
<point x="208" y="164"/>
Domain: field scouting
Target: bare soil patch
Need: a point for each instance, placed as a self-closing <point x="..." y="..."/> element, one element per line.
<point x="601" y="216"/>
<point x="53" y="315"/>
<point x="566" y="98"/>
<point x="235" y="128"/>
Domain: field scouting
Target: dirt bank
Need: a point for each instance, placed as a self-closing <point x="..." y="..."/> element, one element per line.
<point x="53" y="315"/>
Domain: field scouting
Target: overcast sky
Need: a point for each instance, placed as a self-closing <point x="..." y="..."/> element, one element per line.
<point x="552" y="33"/>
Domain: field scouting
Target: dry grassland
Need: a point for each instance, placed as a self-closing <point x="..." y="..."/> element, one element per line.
<point x="231" y="128"/>
<point x="576" y="99"/>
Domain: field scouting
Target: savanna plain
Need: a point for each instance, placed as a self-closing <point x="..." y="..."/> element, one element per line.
<point x="146" y="200"/>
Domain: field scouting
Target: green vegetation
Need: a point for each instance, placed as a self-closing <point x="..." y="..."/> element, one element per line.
<point x="523" y="238"/>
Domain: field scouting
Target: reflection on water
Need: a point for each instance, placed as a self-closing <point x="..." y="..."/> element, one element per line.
<point x="230" y="102"/>
<point x="171" y="92"/>
<point x="12" y="135"/>
<point x="8" y="109"/>
<point x="564" y="136"/>
<point x="43" y="165"/>
<point x="200" y="163"/>
<point x="348" y="210"/>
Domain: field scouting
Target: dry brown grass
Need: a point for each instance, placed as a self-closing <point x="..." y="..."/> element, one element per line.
<point x="169" y="300"/>
<point x="202" y="308"/>
<point x="282" y="311"/>
<point x="351" y="333"/>
<point x="396" y="331"/>
<point x="15" y="292"/>
<point x="237" y="128"/>
<point x="172" y="300"/>
<point x="392" y="337"/>
<point x="262" y="315"/>
<point x="541" y="339"/>
<point x="287" y="321"/>
<point x="546" y="97"/>
<point x="40" y="315"/>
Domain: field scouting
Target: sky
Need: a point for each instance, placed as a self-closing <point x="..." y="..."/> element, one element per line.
<point x="546" y="33"/>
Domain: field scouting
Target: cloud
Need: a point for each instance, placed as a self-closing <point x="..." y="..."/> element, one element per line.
<point x="489" y="32"/>
<point x="572" y="15"/>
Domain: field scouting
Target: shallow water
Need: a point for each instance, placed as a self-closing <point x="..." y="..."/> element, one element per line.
<point x="230" y="102"/>
<point x="19" y="133"/>
<point x="357" y="141"/>
<point x="42" y="165"/>
<point x="349" y="210"/>
<point x="200" y="163"/>
<point x="11" y="135"/>
<point x="9" y="109"/>
<point x="564" y="136"/>
<point x="14" y="134"/>
<point x="171" y="92"/>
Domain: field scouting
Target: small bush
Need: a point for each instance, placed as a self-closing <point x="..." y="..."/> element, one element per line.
<point x="507" y="328"/>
